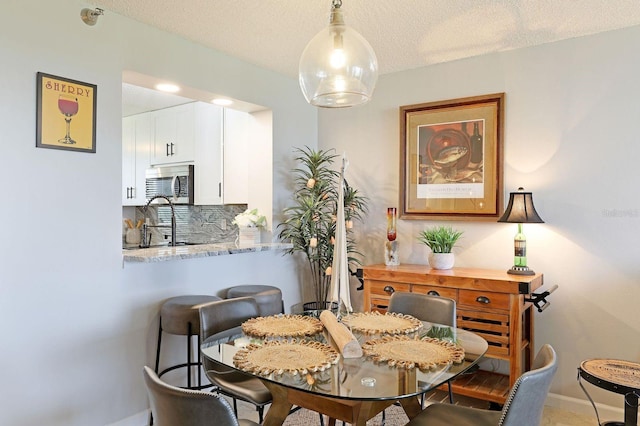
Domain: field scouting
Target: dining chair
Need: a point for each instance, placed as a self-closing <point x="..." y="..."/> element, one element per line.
<point x="425" y="307"/>
<point x="177" y="406"/>
<point x="523" y="407"/>
<point x="223" y="319"/>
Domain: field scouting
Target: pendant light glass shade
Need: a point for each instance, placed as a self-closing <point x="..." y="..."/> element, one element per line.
<point x="338" y="68"/>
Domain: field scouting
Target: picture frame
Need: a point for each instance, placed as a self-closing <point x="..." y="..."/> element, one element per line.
<point x="451" y="159"/>
<point x="66" y="113"/>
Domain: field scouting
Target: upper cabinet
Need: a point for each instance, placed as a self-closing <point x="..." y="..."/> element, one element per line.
<point x="212" y="138"/>
<point x="208" y="154"/>
<point x="236" y="157"/>
<point x="175" y="132"/>
<point x="137" y="138"/>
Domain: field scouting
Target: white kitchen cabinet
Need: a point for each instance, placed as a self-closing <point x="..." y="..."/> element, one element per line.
<point x="137" y="136"/>
<point x="208" y="154"/>
<point x="236" y="157"/>
<point x="212" y="138"/>
<point x="175" y="133"/>
<point x="221" y="165"/>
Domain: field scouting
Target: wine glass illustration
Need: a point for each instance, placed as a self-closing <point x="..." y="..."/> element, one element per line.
<point x="68" y="106"/>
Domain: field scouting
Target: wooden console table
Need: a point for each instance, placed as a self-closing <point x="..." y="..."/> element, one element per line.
<point x="490" y="303"/>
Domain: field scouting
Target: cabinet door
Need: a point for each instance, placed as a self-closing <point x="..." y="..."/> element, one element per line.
<point x="235" y="188"/>
<point x="137" y="136"/>
<point x="208" y="158"/>
<point x="144" y="140"/>
<point x="174" y="135"/>
<point x="128" y="160"/>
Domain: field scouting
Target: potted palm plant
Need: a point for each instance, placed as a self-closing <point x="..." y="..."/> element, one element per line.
<point x="310" y="223"/>
<point x="441" y="240"/>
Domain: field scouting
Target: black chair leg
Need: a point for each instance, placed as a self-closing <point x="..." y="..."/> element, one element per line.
<point x="321" y="420"/>
<point x="235" y="407"/>
<point x="158" y="347"/>
<point x="189" y="363"/>
<point x="198" y="364"/>
<point x="260" y="414"/>
<point x="157" y="360"/>
<point x="450" y="393"/>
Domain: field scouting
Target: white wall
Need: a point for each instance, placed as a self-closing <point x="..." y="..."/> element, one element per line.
<point x="571" y="137"/>
<point x="76" y="326"/>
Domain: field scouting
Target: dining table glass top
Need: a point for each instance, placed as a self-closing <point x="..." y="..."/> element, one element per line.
<point x="360" y="378"/>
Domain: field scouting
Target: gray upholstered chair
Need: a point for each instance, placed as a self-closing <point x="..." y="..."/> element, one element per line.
<point x="269" y="298"/>
<point x="440" y="310"/>
<point x="176" y="406"/>
<point x="437" y="309"/>
<point x="220" y="320"/>
<point x="523" y="407"/>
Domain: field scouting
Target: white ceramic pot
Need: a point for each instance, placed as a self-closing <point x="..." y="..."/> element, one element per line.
<point x="441" y="260"/>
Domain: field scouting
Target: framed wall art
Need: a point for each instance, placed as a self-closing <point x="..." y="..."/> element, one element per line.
<point x="451" y="159"/>
<point x="66" y="114"/>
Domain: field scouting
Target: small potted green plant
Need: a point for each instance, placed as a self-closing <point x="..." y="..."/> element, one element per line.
<point x="441" y="240"/>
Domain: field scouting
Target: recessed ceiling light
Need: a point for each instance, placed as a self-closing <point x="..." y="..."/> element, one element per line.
<point x="168" y="87"/>
<point x="222" y="101"/>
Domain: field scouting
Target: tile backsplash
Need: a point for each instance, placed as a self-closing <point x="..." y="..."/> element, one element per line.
<point x="194" y="224"/>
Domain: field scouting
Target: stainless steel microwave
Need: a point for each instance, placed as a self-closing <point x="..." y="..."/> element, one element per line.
<point x="173" y="182"/>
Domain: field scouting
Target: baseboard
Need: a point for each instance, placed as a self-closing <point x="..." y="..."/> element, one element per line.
<point x="584" y="407"/>
<point x="141" y="418"/>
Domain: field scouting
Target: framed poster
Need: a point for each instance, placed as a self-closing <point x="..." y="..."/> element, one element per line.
<point x="451" y="159"/>
<point x="66" y="114"/>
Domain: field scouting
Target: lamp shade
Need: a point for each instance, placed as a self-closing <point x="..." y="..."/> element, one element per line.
<point x="520" y="209"/>
<point x="338" y="68"/>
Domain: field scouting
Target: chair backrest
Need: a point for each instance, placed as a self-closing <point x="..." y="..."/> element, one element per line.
<point x="437" y="309"/>
<point x="224" y="315"/>
<point x="172" y="406"/>
<point x="526" y="399"/>
<point x="223" y="318"/>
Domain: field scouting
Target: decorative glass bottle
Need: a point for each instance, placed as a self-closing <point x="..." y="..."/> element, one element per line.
<point x="520" y="248"/>
<point x="391" y="245"/>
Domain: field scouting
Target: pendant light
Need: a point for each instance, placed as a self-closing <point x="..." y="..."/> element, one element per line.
<point x="338" y="68"/>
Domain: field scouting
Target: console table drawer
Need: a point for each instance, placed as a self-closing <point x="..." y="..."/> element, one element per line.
<point x="484" y="300"/>
<point x="451" y="293"/>
<point x="380" y="293"/>
<point x="386" y="289"/>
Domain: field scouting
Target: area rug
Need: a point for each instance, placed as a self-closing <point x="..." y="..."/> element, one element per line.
<point x="394" y="415"/>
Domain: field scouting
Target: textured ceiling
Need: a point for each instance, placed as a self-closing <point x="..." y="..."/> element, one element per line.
<point x="405" y="34"/>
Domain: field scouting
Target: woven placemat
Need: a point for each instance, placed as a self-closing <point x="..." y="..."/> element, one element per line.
<point x="278" y="357"/>
<point x="282" y="326"/>
<point x="623" y="373"/>
<point x="406" y="352"/>
<point x="377" y="323"/>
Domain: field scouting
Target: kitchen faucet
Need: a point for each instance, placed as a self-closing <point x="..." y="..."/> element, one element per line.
<point x="146" y="239"/>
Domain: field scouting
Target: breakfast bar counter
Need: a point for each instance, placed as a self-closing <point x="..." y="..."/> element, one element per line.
<point x="164" y="253"/>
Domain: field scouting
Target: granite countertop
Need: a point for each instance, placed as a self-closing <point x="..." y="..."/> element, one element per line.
<point x="161" y="254"/>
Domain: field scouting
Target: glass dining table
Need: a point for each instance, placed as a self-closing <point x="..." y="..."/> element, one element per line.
<point x="353" y="390"/>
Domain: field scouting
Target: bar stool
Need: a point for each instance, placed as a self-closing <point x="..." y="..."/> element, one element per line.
<point x="181" y="316"/>
<point x="268" y="298"/>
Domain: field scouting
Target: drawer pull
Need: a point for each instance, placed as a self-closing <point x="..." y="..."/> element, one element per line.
<point x="389" y="289"/>
<point x="483" y="299"/>
<point x="433" y="293"/>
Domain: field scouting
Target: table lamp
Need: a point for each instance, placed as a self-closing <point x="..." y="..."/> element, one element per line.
<point x="520" y="210"/>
